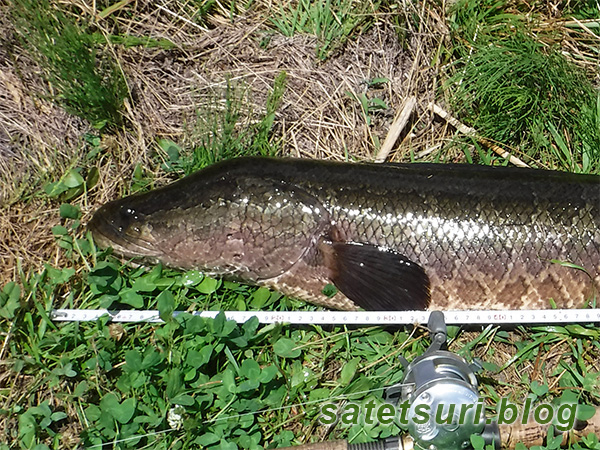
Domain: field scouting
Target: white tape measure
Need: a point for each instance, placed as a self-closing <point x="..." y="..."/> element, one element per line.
<point x="452" y="317"/>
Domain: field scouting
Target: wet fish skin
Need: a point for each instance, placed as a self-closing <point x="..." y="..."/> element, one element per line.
<point x="388" y="236"/>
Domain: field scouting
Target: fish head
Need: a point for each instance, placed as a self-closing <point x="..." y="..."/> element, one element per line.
<point x="182" y="225"/>
<point x="124" y="228"/>
<point x="246" y="228"/>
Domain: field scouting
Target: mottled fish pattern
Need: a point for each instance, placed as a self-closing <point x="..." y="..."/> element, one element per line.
<point x="388" y="236"/>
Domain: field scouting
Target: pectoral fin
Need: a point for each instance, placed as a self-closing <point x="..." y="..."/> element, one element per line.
<point x="376" y="278"/>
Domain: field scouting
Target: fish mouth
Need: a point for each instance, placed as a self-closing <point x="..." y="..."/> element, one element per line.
<point x="107" y="233"/>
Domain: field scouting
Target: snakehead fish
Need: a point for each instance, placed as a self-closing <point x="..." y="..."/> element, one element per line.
<point x="388" y="236"/>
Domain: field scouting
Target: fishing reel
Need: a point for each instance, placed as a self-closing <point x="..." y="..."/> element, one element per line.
<point x="440" y="393"/>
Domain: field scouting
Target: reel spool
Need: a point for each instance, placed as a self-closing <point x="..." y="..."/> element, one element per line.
<point x="441" y="393"/>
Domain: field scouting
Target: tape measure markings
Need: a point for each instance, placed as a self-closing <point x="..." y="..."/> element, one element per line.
<point x="452" y="317"/>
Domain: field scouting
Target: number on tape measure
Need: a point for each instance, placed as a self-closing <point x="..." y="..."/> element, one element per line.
<point x="343" y="318"/>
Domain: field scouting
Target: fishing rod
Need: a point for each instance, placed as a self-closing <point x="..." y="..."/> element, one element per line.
<point x="436" y="378"/>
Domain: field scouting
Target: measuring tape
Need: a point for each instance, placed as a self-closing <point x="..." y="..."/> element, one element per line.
<point x="453" y="317"/>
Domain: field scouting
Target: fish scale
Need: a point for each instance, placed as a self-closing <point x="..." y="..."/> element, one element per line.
<point x="388" y="236"/>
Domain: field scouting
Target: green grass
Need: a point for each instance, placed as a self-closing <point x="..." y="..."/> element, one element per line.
<point x="209" y="372"/>
<point x="213" y="383"/>
<point x="86" y="81"/>
<point x="332" y="22"/>
<point x="201" y="383"/>
<point x="223" y="130"/>
<point x="519" y="91"/>
<point x="222" y="135"/>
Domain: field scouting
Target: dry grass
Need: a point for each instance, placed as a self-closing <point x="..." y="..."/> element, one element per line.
<point x="171" y="89"/>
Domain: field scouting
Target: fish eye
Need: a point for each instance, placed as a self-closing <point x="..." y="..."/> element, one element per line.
<point x="126" y="220"/>
<point x="132" y="213"/>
